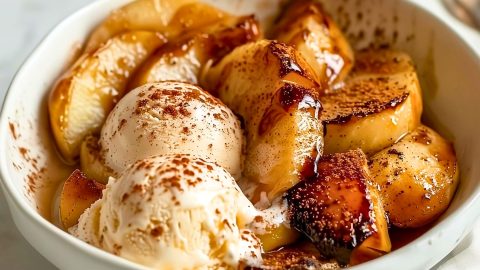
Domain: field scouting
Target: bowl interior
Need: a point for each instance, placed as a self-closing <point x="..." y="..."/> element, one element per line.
<point x="447" y="68"/>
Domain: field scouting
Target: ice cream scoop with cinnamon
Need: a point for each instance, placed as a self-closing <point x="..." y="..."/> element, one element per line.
<point x="171" y="118"/>
<point x="174" y="212"/>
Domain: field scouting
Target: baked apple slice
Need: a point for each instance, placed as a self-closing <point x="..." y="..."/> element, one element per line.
<point x="339" y="210"/>
<point x="77" y="195"/>
<point x="417" y="177"/>
<point x="380" y="103"/>
<point x="169" y="17"/>
<point x="82" y="98"/>
<point x="184" y="60"/>
<point x="307" y="27"/>
<point x="275" y="92"/>
<point x="92" y="161"/>
<point x="271" y="87"/>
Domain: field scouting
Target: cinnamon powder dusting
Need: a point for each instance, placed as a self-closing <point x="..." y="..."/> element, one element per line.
<point x="35" y="174"/>
<point x="12" y="130"/>
<point x="23" y="151"/>
<point x="170" y="110"/>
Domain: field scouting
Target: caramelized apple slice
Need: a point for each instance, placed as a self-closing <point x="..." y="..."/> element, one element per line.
<point x="417" y="177"/>
<point x="92" y="162"/>
<point x="339" y="211"/>
<point x="78" y="194"/>
<point x="169" y="17"/>
<point x="307" y="27"/>
<point x="275" y="92"/>
<point x="82" y="98"/>
<point x="380" y="103"/>
<point x="184" y="60"/>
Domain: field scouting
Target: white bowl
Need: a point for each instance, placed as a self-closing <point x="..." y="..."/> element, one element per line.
<point x="447" y="66"/>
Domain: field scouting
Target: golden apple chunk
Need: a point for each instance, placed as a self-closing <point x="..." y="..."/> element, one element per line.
<point x="307" y="27"/>
<point x="417" y="177"/>
<point x="77" y="195"/>
<point x="380" y="103"/>
<point x="82" y="98"/>
<point x="302" y="255"/>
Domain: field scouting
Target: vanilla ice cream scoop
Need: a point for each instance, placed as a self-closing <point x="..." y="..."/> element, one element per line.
<point x="171" y="118"/>
<point x="174" y="212"/>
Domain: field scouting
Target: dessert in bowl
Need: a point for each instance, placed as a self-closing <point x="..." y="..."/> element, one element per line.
<point x="309" y="92"/>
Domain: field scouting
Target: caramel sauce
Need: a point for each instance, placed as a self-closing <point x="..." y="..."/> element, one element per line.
<point x="402" y="237"/>
<point x="303" y="254"/>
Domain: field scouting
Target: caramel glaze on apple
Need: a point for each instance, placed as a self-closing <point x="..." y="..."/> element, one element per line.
<point x="319" y="208"/>
<point x="291" y="62"/>
<point x="337" y="58"/>
<point x="285" y="99"/>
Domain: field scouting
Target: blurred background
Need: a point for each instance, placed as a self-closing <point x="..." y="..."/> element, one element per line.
<point x="23" y="23"/>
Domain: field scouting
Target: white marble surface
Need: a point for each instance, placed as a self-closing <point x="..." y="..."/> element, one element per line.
<point x="22" y="25"/>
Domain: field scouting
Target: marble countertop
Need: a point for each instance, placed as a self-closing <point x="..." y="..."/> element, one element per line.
<point x="23" y="23"/>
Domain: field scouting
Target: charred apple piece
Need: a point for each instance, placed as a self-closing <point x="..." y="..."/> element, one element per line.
<point x="383" y="93"/>
<point x="307" y="27"/>
<point x="184" y="60"/>
<point x="77" y="195"/>
<point x="82" y="98"/>
<point x="417" y="177"/>
<point x="339" y="210"/>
